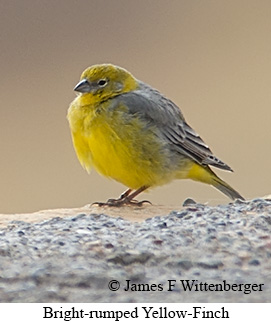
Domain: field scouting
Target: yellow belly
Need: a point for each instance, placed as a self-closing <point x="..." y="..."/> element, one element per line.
<point x="116" y="148"/>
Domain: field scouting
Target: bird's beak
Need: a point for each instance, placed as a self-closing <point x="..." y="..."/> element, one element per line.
<point x="83" y="86"/>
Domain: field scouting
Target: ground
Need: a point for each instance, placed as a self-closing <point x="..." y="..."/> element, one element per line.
<point x="150" y="253"/>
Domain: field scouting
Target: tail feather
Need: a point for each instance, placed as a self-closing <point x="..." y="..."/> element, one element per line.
<point x="204" y="174"/>
<point x="226" y="189"/>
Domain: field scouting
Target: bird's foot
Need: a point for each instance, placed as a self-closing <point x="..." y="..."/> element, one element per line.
<point x="121" y="202"/>
<point x="126" y="198"/>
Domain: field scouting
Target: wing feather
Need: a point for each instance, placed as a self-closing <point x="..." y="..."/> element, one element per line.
<point x="150" y="105"/>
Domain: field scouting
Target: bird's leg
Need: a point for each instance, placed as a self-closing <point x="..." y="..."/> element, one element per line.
<point x="125" y="194"/>
<point x="130" y="198"/>
<point x="126" y="198"/>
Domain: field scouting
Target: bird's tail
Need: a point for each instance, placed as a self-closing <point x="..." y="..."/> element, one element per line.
<point x="206" y="175"/>
<point x="226" y="188"/>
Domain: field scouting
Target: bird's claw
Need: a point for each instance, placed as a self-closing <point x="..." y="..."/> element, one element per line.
<point x="121" y="202"/>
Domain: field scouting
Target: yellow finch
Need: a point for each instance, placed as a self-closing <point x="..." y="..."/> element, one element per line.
<point x="131" y="133"/>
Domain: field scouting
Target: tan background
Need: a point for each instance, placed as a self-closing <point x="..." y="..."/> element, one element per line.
<point x="213" y="58"/>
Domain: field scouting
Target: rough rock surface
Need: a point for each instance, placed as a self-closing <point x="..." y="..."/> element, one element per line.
<point x="73" y="258"/>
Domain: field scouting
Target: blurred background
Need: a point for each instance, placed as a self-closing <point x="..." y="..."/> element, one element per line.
<point x="212" y="58"/>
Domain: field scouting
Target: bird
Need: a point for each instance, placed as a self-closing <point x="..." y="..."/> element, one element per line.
<point x="130" y="132"/>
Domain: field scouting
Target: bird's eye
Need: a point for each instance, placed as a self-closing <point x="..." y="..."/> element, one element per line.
<point x="102" y="82"/>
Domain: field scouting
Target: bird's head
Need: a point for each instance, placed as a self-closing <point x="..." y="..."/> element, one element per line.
<point x="104" y="81"/>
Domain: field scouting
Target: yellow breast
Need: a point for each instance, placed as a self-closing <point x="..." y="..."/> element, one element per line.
<point x="116" y="147"/>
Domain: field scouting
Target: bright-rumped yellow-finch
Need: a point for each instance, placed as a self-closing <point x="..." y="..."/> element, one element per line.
<point x="130" y="132"/>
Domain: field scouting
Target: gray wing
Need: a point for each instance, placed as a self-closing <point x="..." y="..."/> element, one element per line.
<point x="150" y="105"/>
